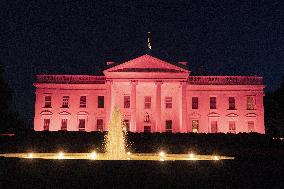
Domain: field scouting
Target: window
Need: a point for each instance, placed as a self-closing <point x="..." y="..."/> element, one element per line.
<point x="147" y="102"/>
<point x="100" y="124"/>
<point x="47" y="103"/>
<point x="146" y="117"/>
<point x="212" y="102"/>
<point x="82" y="125"/>
<point x="250" y="102"/>
<point x="214" y="127"/>
<point x="64" y="124"/>
<point x="194" y="102"/>
<point x="83" y="101"/>
<point x="250" y="126"/>
<point x="101" y="101"/>
<point x="232" y="105"/>
<point x="126" y="124"/>
<point x="147" y="129"/>
<point x="169" y="124"/>
<point x="169" y="102"/>
<point x="232" y="127"/>
<point x="126" y="101"/>
<point x="65" y="102"/>
<point x="46" y="123"/>
<point x="195" y="126"/>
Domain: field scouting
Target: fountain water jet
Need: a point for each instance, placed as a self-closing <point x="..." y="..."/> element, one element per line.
<point x="115" y="139"/>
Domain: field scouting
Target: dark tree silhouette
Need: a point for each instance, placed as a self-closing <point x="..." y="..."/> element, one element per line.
<point x="274" y="111"/>
<point x="9" y="121"/>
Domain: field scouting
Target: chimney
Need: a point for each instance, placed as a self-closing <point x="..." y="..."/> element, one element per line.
<point x="184" y="63"/>
<point x="109" y="63"/>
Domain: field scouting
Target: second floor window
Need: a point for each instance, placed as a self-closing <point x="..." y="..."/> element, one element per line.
<point x="169" y="102"/>
<point x="250" y="103"/>
<point x="147" y="102"/>
<point x="101" y="101"/>
<point x="232" y="105"/>
<point x="212" y="102"/>
<point x="194" y="102"/>
<point x="47" y="103"/>
<point x="83" y="102"/>
<point x="126" y="101"/>
<point x="65" y="102"/>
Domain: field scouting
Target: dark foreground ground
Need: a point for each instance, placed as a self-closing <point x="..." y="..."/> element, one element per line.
<point x="239" y="173"/>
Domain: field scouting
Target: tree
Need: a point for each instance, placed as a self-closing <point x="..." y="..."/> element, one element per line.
<point x="274" y="111"/>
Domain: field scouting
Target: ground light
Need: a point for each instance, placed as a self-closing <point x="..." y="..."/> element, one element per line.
<point x="191" y="156"/>
<point x="162" y="154"/>
<point x="30" y="155"/>
<point x="93" y="155"/>
<point x="216" y="158"/>
<point x="60" y="155"/>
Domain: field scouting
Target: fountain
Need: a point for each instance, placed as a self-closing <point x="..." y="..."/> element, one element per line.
<point x="115" y="139"/>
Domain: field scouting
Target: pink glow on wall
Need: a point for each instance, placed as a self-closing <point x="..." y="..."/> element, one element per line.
<point x="160" y="96"/>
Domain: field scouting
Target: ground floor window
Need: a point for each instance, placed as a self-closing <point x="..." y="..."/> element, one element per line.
<point x="232" y="127"/>
<point x="195" y="126"/>
<point x="214" y="127"/>
<point x="250" y="126"/>
<point x="82" y="124"/>
<point x="169" y="124"/>
<point x="100" y="124"/>
<point x="64" y="124"/>
<point x="147" y="129"/>
<point x="46" y="123"/>
<point x="126" y="125"/>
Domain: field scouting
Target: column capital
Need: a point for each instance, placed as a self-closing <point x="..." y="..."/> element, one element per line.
<point x="134" y="82"/>
<point x="182" y="83"/>
<point x="109" y="81"/>
<point x="159" y="82"/>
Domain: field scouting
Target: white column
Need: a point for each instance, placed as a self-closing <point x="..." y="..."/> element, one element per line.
<point x="183" y="126"/>
<point x="108" y="104"/>
<point x="158" y="106"/>
<point x="133" y="106"/>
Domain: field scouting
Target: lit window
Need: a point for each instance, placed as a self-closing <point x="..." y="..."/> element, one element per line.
<point x="232" y="127"/>
<point x="195" y="126"/>
<point x="212" y="102"/>
<point x="232" y="105"/>
<point x="250" y="102"/>
<point x="250" y="126"/>
<point x="169" y="124"/>
<point x="126" y="124"/>
<point x="83" y="101"/>
<point x="65" y="102"/>
<point x="147" y="102"/>
<point x="126" y="101"/>
<point x="214" y="127"/>
<point x="64" y="124"/>
<point x="146" y="117"/>
<point x="47" y="103"/>
<point x="101" y="101"/>
<point x="169" y="102"/>
<point x="194" y="102"/>
<point x="147" y="129"/>
<point x="82" y="124"/>
<point x="46" y="123"/>
<point x="100" y="124"/>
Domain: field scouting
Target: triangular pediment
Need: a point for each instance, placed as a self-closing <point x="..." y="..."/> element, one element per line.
<point x="146" y="64"/>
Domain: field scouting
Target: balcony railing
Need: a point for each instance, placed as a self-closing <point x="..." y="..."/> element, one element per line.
<point x="71" y="79"/>
<point x="225" y="80"/>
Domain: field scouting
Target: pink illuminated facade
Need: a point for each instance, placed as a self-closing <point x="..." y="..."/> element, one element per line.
<point x="153" y="96"/>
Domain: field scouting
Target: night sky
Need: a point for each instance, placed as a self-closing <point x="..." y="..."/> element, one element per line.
<point x="216" y="37"/>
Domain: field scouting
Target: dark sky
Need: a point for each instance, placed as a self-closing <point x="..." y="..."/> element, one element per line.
<point x="76" y="37"/>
